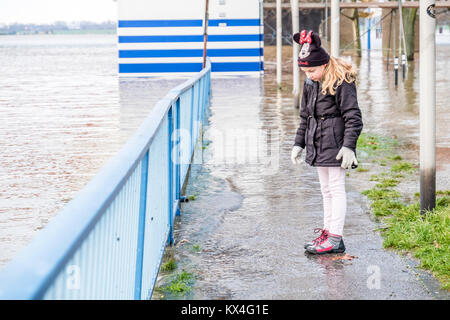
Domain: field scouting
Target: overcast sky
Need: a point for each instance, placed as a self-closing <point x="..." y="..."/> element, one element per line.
<point x="47" y="11"/>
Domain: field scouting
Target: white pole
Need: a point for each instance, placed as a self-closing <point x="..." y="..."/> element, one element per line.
<point x="427" y="69"/>
<point x="326" y="25"/>
<point x="295" y="52"/>
<point x="279" y="43"/>
<point x="405" y="53"/>
<point x="335" y="16"/>
<point x="399" y="30"/>
<point x="395" y="51"/>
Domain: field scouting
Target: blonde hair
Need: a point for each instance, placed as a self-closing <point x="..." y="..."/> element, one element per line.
<point x="336" y="71"/>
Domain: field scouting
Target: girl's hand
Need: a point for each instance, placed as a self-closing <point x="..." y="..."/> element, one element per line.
<point x="348" y="156"/>
<point x="296" y="154"/>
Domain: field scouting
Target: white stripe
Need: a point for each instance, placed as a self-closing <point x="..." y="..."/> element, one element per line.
<point x="165" y="75"/>
<point x="188" y="75"/>
<point x="159" y="31"/>
<point x="186" y="31"/>
<point x="234" y="59"/>
<point x="234" y="30"/>
<point x="162" y="60"/>
<point x="253" y="74"/>
<point x="189" y="45"/>
<point x="188" y="59"/>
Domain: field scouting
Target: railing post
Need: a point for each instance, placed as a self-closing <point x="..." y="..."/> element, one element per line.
<point x="170" y="190"/>
<point x="191" y="112"/>
<point x="141" y="227"/>
<point x="177" y="163"/>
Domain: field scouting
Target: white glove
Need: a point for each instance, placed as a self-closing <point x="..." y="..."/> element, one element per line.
<point x="348" y="156"/>
<point x="296" y="154"/>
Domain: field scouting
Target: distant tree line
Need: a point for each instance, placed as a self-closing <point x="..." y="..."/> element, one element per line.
<point x="58" y="26"/>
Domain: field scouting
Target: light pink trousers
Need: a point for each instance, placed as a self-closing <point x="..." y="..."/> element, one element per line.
<point x="332" y="185"/>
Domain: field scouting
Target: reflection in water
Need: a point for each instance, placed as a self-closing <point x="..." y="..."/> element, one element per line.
<point x="333" y="272"/>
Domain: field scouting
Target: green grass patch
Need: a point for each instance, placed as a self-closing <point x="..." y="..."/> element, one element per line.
<point x="395" y="158"/>
<point x="361" y="169"/>
<point x="385" y="207"/>
<point x="389" y="182"/>
<point x="170" y="265"/>
<point x="443" y="193"/>
<point x="372" y="144"/>
<point x="367" y="142"/>
<point x="180" y="284"/>
<point x="381" y="194"/>
<point x="426" y="236"/>
<point x="402" y="167"/>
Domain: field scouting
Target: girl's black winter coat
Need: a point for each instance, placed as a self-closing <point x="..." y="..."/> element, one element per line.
<point x="328" y="122"/>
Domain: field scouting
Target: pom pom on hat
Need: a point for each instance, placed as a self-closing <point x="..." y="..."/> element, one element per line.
<point x="311" y="53"/>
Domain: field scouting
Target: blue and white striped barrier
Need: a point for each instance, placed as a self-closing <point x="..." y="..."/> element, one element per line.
<point x="161" y="46"/>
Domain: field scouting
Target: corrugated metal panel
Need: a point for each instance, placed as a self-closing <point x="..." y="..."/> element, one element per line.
<point x="107" y="243"/>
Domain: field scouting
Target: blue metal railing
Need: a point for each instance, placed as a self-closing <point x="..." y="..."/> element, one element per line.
<point x="108" y="242"/>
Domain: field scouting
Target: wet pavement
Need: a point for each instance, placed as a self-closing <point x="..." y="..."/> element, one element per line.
<point x="243" y="235"/>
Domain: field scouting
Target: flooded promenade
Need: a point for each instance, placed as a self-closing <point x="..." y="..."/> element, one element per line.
<point x="242" y="237"/>
<point x="252" y="213"/>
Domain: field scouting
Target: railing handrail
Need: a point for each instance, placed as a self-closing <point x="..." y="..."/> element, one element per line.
<point x="31" y="272"/>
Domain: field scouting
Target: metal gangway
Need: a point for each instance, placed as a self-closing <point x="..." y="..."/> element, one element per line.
<point x="108" y="242"/>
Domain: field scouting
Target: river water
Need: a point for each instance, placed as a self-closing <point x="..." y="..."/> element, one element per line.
<point x="64" y="114"/>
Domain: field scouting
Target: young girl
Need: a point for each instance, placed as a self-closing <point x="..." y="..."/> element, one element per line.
<point x="330" y="124"/>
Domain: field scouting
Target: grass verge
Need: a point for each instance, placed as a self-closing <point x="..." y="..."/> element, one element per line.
<point x="173" y="283"/>
<point x="427" y="236"/>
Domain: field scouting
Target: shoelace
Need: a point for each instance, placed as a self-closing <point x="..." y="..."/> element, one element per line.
<point x="322" y="236"/>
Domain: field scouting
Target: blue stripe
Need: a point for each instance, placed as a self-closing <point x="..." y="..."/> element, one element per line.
<point x="234" y="22"/>
<point x="159" y="23"/>
<point x="140" y="39"/>
<point x="159" y="67"/>
<point x="187" y="67"/>
<point x="191" y="38"/>
<point x="235" y="66"/>
<point x="186" y="23"/>
<point x="256" y="52"/>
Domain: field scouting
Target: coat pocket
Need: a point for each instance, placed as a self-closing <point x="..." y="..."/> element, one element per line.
<point x="338" y="131"/>
<point x="307" y="130"/>
<point x="334" y="135"/>
<point x="327" y="138"/>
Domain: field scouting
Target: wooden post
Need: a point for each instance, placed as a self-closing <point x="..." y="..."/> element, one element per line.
<point x="279" y="43"/>
<point x="295" y="52"/>
<point x="205" y="33"/>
